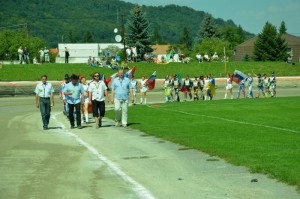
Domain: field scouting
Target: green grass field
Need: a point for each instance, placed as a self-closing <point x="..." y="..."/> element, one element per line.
<point x="262" y="134"/>
<point x="32" y="72"/>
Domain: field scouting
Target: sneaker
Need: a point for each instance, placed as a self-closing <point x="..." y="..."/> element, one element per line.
<point x="124" y="125"/>
<point x="118" y="124"/>
<point x="79" y="127"/>
<point x="72" y="127"/>
<point x="100" y="123"/>
<point x="45" y="128"/>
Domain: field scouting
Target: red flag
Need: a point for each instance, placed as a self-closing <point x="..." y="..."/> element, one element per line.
<point x="151" y="81"/>
<point x="107" y="81"/>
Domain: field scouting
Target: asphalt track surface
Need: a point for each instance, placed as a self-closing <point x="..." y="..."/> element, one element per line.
<point x="114" y="162"/>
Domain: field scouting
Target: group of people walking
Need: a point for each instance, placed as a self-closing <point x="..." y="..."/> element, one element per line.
<point x="77" y="93"/>
<point x="265" y="86"/>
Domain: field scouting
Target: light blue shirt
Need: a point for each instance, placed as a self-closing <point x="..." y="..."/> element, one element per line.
<point x="121" y="88"/>
<point x="44" y="90"/>
<point x="76" y="90"/>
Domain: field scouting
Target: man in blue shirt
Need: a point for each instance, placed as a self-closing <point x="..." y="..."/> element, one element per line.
<point x="74" y="92"/>
<point x="44" y="93"/>
<point x="121" y="87"/>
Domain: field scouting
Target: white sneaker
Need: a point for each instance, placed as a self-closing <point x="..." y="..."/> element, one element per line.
<point x="124" y="125"/>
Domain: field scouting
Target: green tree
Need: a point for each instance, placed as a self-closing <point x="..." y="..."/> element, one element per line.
<point x="269" y="45"/>
<point x="10" y="41"/>
<point x="212" y="45"/>
<point x="71" y="37"/>
<point x="88" y="37"/>
<point x="208" y="29"/>
<point x="138" y="34"/>
<point x="186" y="39"/>
<point x="282" y="28"/>
<point x="156" y="37"/>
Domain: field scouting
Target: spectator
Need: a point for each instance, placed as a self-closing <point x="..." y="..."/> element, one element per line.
<point x="20" y="53"/>
<point x="46" y="54"/>
<point x="128" y="53"/>
<point x="90" y="61"/>
<point x="26" y="55"/>
<point x="134" y="54"/>
<point x="41" y="55"/>
<point x="35" y="61"/>
<point x="215" y="57"/>
<point x="199" y="57"/>
<point x="67" y="55"/>
<point x="206" y="57"/>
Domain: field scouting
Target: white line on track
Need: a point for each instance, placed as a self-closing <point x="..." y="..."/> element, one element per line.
<point x="234" y="121"/>
<point x="138" y="188"/>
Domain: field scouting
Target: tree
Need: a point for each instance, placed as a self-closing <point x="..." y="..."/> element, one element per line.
<point x="208" y="29"/>
<point x="186" y="39"/>
<point x="88" y="37"/>
<point x="10" y="41"/>
<point x="156" y="37"/>
<point x="71" y="37"/>
<point x="282" y="28"/>
<point x="137" y="34"/>
<point x="269" y="45"/>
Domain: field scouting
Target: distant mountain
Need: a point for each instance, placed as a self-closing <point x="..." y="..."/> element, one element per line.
<point x="55" y="20"/>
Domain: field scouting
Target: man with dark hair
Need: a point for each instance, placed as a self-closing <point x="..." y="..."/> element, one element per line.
<point x="74" y="92"/>
<point x="97" y="93"/>
<point x="44" y="93"/>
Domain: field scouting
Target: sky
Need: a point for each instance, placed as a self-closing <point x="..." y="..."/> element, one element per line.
<point x="252" y="15"/>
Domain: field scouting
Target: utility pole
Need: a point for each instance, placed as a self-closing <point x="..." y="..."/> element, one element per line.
<point x="26" y="31"/>
<point x="123" y="37"/>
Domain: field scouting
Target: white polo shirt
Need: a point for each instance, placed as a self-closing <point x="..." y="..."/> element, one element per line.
<point x="97" y="89"/>
<point x="44" y="90"/>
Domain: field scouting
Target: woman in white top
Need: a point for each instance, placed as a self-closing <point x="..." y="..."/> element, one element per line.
<point x="85" y="101"/>
<point x="228" y="86"/>
<point x="134" y="84"/>
<point x="143" y="89"/>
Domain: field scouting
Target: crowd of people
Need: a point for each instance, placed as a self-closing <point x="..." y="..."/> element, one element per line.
<point x="24" y="57"/>
<point x="200" y="88"/>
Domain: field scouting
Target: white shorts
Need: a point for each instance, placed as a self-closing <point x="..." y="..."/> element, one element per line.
<point x="229" y="86"/>
<point x="144" y="89"/>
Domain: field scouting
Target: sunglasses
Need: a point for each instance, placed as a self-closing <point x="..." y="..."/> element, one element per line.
<point x="96" y="76"/>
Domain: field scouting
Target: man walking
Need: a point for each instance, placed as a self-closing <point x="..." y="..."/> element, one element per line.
<point x="20" y="53"/>
<point x="74" y="92"/>
<point x="121" y="87"/>
<point x="97" y="94"/>
<point x="44" y="93"/>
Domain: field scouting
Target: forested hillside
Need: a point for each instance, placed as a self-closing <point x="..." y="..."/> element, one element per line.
<point x="94" y="20"/>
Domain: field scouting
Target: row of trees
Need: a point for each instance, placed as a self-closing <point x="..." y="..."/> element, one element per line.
<point x="269" y="46"/>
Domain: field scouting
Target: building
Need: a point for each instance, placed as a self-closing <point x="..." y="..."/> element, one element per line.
<point x="80" y="52"/>
<point x="247" y="48"/>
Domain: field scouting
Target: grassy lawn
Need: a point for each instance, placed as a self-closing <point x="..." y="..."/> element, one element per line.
<point x="262" y="134"/>
<point x="57" y="71"/>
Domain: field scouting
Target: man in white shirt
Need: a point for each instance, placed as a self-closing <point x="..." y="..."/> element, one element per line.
<point x="97" y="93"/>
<point x="20" y="53"/>
<point x="43" y="94"/>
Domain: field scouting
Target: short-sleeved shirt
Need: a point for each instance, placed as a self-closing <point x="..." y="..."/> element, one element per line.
<point x="97" y="89"/>
<point x="46" y="52"/>
<point x="76" y="90"/>
<point x="121" y="88"/>
<point x="44" y="90"/>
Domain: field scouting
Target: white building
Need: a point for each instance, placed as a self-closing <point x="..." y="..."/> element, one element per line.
<point x="80" y="52"/>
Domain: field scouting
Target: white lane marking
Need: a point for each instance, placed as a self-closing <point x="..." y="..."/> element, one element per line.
<point x="235" y="121"/>
<point x="138" y="188"/>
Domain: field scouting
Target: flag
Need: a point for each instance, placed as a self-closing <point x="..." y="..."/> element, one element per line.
<point x="150" y="83"/>
<point x="238" y="76"/>
<point x="130" y="73"/>
<point x="111" y="78"/>
<point x="211" y="86"/>
<point x="182" y="88"/>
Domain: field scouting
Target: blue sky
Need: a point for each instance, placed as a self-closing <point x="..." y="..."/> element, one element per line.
<point x="251" y="15"/>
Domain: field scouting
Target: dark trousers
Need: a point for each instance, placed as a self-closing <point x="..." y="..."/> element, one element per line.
<point x="98" y="107"/>
<point x="45" y="108"/>
<point x="66" y="60"/>
<point x="71" y="114"/>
